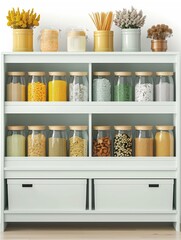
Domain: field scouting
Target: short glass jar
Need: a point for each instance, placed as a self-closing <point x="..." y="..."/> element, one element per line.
<point x="123" y="141"/>
<point x="101" y="87"/>
<point x="16" y="141"/>
<point x="16" y="87"/>
<point x="123" y="88"/>
<point x="36" y="142"/>
<point x="78" y="87"/>
<point x="164" y="87"/>
<point x="57" y="86"/>
<point x="76" y="41"/>
<point x="143" y="141"/>
<point x="102" y="142"/>
<point x="164" y="141"/>
<point x="78" y="141"/>
<point x="144" y="87"/>
<point x="37" y="89"/>
<point x="57" y="141"/>
<point x="49" y="40"/>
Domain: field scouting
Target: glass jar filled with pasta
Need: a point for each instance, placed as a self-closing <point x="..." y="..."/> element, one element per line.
<point x="37" y="89"/>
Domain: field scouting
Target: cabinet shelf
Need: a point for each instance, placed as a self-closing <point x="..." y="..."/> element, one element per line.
<point x="90" y="107"/>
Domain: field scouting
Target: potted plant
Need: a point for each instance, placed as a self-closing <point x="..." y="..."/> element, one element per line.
<point x="130" y="22"/>
<point x="159" y="34"/>
<point x="22" y="23"/>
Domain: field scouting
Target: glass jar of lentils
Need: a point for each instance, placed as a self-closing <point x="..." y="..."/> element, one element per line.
<point x="101" y="87"/>
<point x="78" y="87"/>
<point x="144" y="87"/>
<point x="123" y="141"/>
<point x="101" y="141"/>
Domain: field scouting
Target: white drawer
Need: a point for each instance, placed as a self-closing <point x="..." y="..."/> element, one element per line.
<point x="61" y="194"/>
<point x="133" y="194"/>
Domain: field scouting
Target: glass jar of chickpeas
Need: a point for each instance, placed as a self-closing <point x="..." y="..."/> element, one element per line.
<point x="36" y="141"/>
<point x="37" y="89"/>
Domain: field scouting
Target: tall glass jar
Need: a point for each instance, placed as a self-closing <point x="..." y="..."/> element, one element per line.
<point x="164" y="87"/>
<point x="164" y="141"/>
<point x="76" y="41"/>
<point x="16" y="141"/>
<point x="101" y="86"/>
<point x="49" y="40"/>
<point x="78" y="141"/>
<point x="16" y="87"/>
<point x="37" y="90"/>
<point x="123" y="141"/>
<point x="57" y="142"/>
<point x="144" y="87"/>
<point x="102" y="142"/>
<point x="143" y="141"/>
<point x="78" y="87"/>
<point x="36" y="141"/>
<point x="57" y="86"/>
<point x="123" y="89"/>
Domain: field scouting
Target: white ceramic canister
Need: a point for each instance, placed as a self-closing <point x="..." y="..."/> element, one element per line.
<point x="76" y="41"/>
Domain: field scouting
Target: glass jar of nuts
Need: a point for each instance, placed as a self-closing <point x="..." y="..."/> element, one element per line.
<point x="36" y="141"/>
<point x="78" y="141"/>
<point x="123" y="141"/>
<point x="101" y="141"/>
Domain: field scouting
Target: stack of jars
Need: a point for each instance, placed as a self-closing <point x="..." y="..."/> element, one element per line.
<point x="122" y="143"/>
<point x="76" y="145"/>
<point x="57" y="89"/>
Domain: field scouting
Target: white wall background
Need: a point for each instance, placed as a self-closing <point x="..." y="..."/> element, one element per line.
<point x="64" y="14"/>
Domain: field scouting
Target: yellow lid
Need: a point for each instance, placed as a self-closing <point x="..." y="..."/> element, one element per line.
<point x="36" y="73"/>
<point x="164" y="73"/>
<point x="75" y="33"/>
<point x="101" y="73"/>
<point x="101" y="127"/>
<point x="123" y="73"/>
<point x="78" y="127"/>
<point x="143" y="127"/>
<point x="57" y="73"/>
<point x="164" y="127"/>
<point x="143" y="73"/>
<point x="57" y="127"/>
<point x="16" y="127"/>
<point x="16" y="73"/>
<point x="36" y="127"/>
<point x="78" y="73"/>
<point x="123" y="127"/>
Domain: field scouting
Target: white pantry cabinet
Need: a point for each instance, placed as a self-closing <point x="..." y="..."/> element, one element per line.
<point x="91" y="169"/>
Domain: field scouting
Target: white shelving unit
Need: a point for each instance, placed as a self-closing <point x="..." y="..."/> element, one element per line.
<point x="91" y="113"/>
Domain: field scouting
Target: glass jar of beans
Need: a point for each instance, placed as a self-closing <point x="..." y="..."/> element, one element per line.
<point x="144" y="87"/>
<point x="101" y="87"/>
<point x="143" y="141"/>
<point x="36" y="141"/>
<point x="123" y="141"/>
<point x="78" y="141"/>
<point x="101" y="141"/>
<point x="37" y="89"/>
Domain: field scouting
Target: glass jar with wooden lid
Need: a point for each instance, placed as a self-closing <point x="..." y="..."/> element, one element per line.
<point x="164" y="141"/>
<point x="76" y="40"/>
<point x="78" y="141"/>
<point x="37" y="89"/>
<point x="16" y="141"/>
<point x="102" y="142"/>
<point x="123" y="141"/>
<point x="101" y="87"/>
<point x="49" y="40"/>
<point x="57" y="141"/>
<point x="36" y="142"/>
<point x="143" y="141"/>
<point x="16" y="86"/>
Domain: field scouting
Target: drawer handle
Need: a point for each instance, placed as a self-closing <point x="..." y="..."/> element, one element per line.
<point x="27" y="185"/>
<point x="154" y="185"/>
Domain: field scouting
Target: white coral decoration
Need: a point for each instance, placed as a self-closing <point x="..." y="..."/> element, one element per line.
<point x="129" y="18"/>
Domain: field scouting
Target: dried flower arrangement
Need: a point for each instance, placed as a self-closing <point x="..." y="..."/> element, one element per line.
<point x="129" y="18"/>
<point x="22" y="20"/>
<point x="159" y="32"/>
